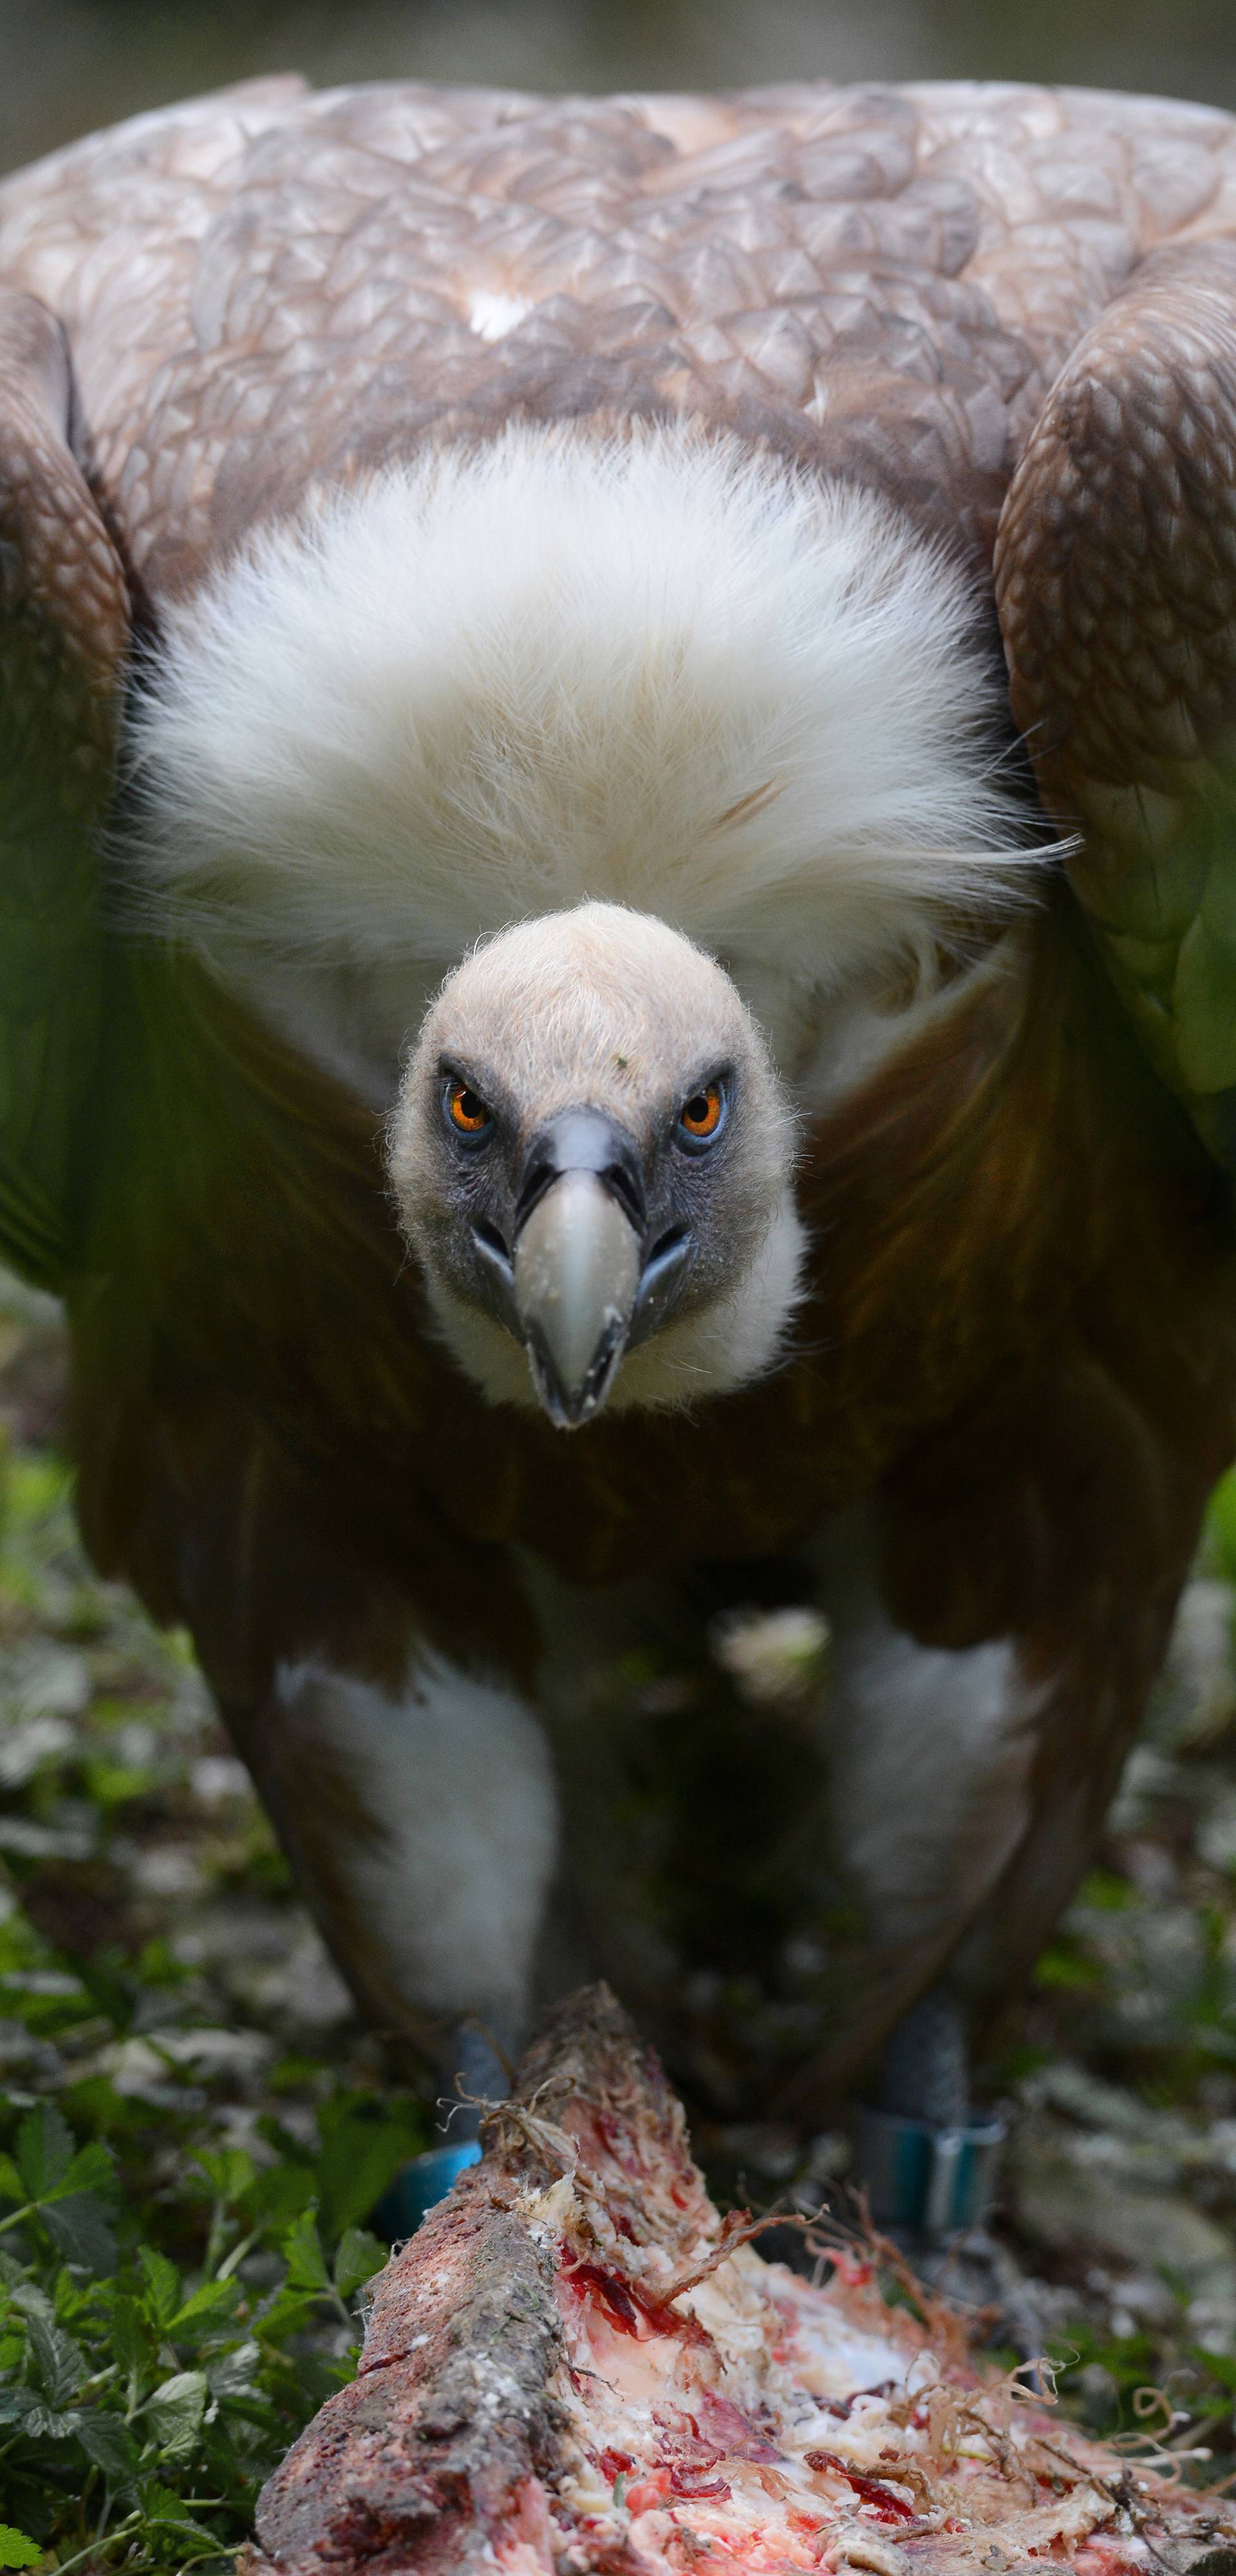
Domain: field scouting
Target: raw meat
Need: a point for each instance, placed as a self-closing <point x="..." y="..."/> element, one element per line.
<point x="577" y="2366"/>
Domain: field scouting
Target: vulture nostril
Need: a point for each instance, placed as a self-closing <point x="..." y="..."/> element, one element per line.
<point x="661" y="1273"/>
<point x="623" y="1184"/>
<point x="488" y="1239"/>
<point x="665" y="1243"/>
<point x="536" y="1181"/>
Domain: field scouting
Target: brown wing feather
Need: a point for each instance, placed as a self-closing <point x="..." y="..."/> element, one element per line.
<point x="63" y="632"/>
<point x="263" y="290"/>
<point x="1117" y="586"/>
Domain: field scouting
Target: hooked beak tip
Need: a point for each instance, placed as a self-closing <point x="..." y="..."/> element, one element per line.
<point x="569" y="1407"/>
<point x="576" y="1278"/>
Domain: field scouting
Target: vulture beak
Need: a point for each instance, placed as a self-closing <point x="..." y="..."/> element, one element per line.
<point x="578" y="1263"/>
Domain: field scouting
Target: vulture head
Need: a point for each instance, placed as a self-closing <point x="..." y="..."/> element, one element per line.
<point x="591" y="1155"/>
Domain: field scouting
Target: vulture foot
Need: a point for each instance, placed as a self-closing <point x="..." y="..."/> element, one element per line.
<point x="474" y="2073"/>
<point x="926" y="2160"/>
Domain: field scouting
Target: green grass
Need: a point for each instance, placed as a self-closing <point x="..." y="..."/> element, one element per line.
<point x="183" y="2188"/>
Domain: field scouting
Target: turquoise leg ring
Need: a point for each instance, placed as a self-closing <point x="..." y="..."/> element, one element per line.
<point x="420" y="2187"/>
<point x="931" y="2179"/>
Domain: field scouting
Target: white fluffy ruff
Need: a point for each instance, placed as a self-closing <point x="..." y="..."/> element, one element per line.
<point x="655" y="669"/>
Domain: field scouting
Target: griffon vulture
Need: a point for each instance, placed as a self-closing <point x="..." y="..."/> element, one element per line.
<point x="580" y="1058"/>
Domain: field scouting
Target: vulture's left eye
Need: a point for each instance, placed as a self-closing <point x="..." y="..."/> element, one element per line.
<point x="703" y="1115"/>
<point x="465" y="1110"/>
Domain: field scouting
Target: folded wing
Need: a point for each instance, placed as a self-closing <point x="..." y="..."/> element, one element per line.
<point x="1116" y="578"/>
<point x="63" y="632"/>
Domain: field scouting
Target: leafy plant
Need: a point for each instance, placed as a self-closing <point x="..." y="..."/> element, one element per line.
<point x="183" y="2194"/>
<point x="141" y="2406"/>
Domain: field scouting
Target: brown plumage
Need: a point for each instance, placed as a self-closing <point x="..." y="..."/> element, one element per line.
<point x="1007" y="313"/>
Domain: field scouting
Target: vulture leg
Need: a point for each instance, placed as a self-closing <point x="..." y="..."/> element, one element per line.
<point x="926" y="2158"/>
<point x="422" y="1827"/>
<point x="925" y="2067"/>
<point x="473" y="2071"/>
<point x="869" y="1809"/>
<point x="932" y="1751"/>
<point x="416" y="1800"/>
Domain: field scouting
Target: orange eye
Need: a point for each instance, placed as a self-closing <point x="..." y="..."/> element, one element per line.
<point x="466" y="1110"/>
<point x="700" y="1116"/>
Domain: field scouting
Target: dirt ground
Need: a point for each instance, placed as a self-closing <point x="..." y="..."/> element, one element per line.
<point x="132" y="1849"/>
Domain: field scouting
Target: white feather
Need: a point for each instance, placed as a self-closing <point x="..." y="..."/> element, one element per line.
<point x="655" y="669"/>
<point x="451" y="1867"/>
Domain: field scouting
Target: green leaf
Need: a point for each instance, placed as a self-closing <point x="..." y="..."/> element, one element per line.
<point x="302" y="2248"/>
<point x="291" y="2148"/>
<point x="157" y="1963"/>
<point x="131" y="2344"/>
<point x="11" y="2184"/>
<point x="109" y="2443"/>
<point x="162" y="2286"/>
<point x="111" y="1989"/>
<point x="176" y="2411"/>
<point x="31" y="2301"/>
<point x="94" y="2103"/>
<point x="282" y="2192"/>
<point x="73" y="2300"/>
<point x="79" y="2229"/>
<point x="357" y="2257"/>
<point x="17" y="2549"/>
<point x="93" y="2169"/>
<point x="237" y="2373"/>
<point x="364" y="2144"/>
<point x="208" y="2306"/>
<point x="230" y="2173"/>
<point x="60" y="2364"/>
<point x="38" y="2422"/>
<point x="1060" y="1967"/>
<point x="164" y="2511"/>
<point x="44" y="2149"/>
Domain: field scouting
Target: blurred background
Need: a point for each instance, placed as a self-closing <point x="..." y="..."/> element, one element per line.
<point x="67" y="65"/>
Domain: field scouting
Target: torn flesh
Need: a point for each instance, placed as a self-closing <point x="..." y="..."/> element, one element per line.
<point x="578" y="2368"/>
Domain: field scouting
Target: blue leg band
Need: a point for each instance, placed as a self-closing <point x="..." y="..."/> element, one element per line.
<point x="420" y="2187"/>
<point x="932" y="2179"/>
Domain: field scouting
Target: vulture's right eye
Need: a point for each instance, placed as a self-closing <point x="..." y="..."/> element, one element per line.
<point x="466" y="1112"/>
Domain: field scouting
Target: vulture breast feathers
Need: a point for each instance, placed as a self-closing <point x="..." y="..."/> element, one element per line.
<point x="526" y="913"/>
